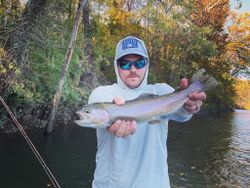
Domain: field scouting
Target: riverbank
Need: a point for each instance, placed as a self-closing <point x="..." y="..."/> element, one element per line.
<point x="36" y="116"/>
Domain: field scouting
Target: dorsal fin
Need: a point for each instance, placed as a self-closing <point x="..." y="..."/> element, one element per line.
<point x="143" y="96"/>
<point x="146" y="95"/>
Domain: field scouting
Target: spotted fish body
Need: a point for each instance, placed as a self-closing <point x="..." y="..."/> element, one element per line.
<point x="146" y="107"/>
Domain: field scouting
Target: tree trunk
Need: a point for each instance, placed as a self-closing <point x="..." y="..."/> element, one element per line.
<point x="67" y="59"/>
<point x="89" y="78"/>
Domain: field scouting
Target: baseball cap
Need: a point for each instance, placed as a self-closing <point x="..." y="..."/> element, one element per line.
<point x="130" y="45"/>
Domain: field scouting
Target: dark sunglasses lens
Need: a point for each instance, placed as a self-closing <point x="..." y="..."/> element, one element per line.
<point x="125" y="65"/>
<point x="140" y="63"/>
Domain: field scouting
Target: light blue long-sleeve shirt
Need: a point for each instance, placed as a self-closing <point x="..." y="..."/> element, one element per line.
<point x="140" y="160"/>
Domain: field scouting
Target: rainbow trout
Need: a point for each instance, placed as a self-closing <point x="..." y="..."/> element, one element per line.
<point x="146" y="107"/>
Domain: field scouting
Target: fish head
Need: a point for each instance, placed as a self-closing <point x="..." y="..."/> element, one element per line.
<point x="91" y="116"/>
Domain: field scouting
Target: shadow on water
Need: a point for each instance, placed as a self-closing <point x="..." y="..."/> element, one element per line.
<point x="208" y="151"/>
<point x="69" y="153"/>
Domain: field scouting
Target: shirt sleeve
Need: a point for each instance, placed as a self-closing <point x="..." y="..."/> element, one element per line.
<point x="100" y="94"/>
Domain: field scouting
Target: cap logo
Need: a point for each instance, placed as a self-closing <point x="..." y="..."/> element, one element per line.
<point x="129" y="43"/>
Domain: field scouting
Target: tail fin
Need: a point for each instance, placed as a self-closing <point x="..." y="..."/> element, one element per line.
<point x="207" y="81"/>
<point x="211" y="83"/>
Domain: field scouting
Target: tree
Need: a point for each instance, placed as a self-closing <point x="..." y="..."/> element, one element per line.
<point x="242" y="98"/>
<point x="210" y="12"/>
<point x="67" y="60"/>
<point x="237" y="50"/>
<point x="88" y="78"/>
<point x="17" y="23"/>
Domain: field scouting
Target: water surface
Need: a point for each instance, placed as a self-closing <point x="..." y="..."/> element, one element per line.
<point x="211" y="151"/>
<point x="208" y="151"/>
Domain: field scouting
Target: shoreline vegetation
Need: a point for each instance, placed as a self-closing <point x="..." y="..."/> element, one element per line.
<point x="31" y="116"/>
<point x="181" y="37"/>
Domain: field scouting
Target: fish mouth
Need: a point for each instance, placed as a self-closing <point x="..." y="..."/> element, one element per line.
<point x="86" y="118"/>
<point x="82" y="115"/>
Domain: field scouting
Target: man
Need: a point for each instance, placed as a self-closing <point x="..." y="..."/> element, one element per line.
<point x="131" y="155"/>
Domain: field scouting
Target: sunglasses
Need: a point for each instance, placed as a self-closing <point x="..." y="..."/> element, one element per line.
<point x="126" y="65"/>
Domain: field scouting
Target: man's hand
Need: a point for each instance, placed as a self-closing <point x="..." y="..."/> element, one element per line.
<point x="193" y="105"/>
<point x="122" y="128"/>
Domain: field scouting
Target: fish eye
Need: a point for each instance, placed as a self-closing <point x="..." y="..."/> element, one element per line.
<point x="87" y="111"/>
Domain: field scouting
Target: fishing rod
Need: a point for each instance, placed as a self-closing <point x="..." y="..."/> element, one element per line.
<point x="33" y="148"/>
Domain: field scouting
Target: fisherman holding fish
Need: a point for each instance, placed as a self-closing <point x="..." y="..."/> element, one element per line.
<point x="132" y="134"/>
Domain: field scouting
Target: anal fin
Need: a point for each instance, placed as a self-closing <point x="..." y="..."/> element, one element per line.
<point x="154" y="121"/>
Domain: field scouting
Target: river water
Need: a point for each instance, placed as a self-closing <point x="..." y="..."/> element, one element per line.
<point x="208" y="151"/>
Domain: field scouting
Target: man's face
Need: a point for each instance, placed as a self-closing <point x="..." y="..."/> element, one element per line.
<point x="132" y="78"/>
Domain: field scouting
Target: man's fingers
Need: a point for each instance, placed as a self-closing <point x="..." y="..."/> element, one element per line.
<point x="197" y="96"/>
<point x="114" y="127"/>
<point x="133" y="127"/>
<point x="128" y="129"/>
<point x="189" y="103"/>
<point x="193" y="106"/>
<point x="122" y="129"/>
<point x="119" y="100"/>
<point x="191" y="109"/>
<point x="192" y="103"/>
<point x="183" y="83"/>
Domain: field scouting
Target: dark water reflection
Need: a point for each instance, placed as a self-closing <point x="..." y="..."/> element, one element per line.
<point x="208" y="151"/>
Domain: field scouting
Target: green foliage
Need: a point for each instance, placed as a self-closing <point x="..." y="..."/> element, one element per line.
<point x="177" y="46"/>
<point x="40" y="85"/>
<point x="36" y="79"/>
